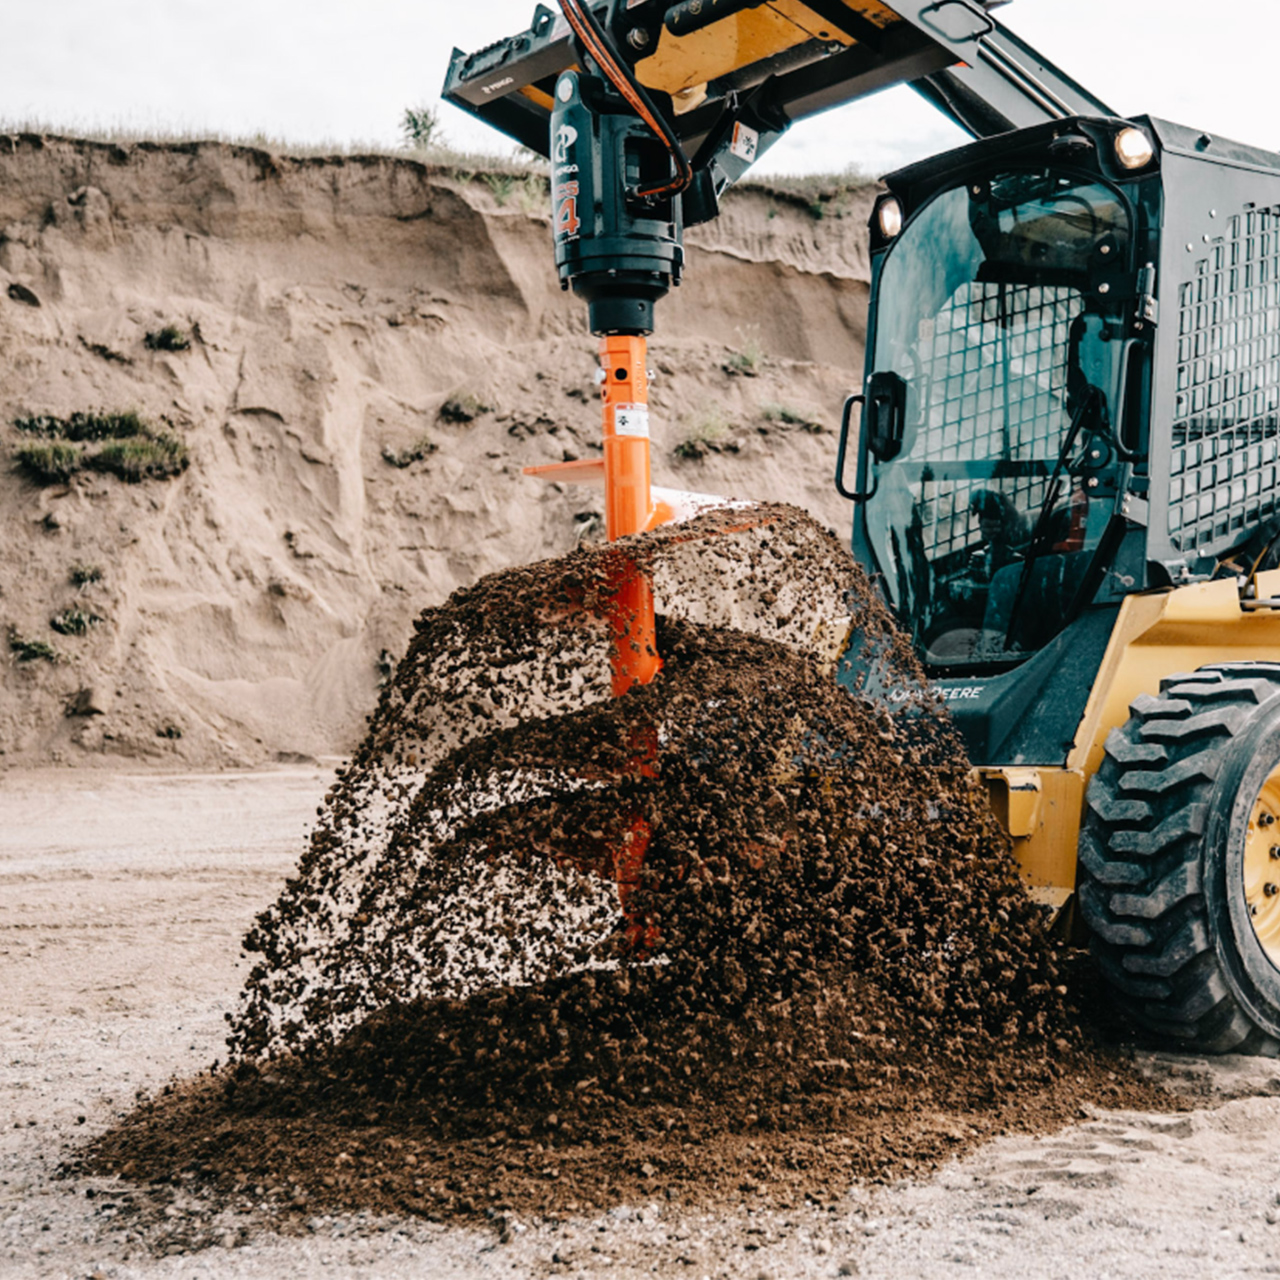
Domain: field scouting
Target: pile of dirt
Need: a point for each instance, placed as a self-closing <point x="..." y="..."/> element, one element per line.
<point x="472" y="998"/>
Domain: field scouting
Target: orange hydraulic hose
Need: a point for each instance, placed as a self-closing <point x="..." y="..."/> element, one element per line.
<point x="593" y="39"/>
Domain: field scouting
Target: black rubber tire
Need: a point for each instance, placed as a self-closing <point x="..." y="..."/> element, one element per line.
<point x="1161" y="883"/>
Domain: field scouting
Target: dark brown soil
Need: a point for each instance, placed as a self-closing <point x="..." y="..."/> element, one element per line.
<point x="826" y="969"/>
<point x="311" y="1145"/>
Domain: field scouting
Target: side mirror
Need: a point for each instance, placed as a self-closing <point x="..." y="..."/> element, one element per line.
<point x="886" y="415"/>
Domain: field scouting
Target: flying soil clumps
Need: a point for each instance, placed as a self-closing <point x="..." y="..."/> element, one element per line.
<point x="739" y="929"/>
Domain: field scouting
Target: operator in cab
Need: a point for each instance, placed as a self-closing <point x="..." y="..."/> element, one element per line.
<point x="1003" y="530"/>
<point x="1005" y="538"/>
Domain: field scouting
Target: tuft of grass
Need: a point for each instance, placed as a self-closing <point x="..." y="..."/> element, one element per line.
<point x="705" y="432"/>
<point x="419" y="451"/>
<point x="131" y="448"/>
<point x="790" y="417"/>
<point x="24" y="649"/>
<point x="534" y="193"/>
<point x="84" y="427"/>
<point x="150" y="457"/>
<point x="748" y="360"/>
<point x="74" y="622"/>
<point x="501" y="185"/>
<point x="49" y="463"/>
<point x="84" y="575"/>
<point x="169" y="338"/>
<point x="420" y="128"/>
<point x="532" y="190"/>
<point x="463" y="408"/>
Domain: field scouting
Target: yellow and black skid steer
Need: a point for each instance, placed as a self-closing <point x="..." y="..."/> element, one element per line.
<point x="1065" y="453"/>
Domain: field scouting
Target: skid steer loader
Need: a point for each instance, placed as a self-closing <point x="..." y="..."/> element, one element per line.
<point x="1066" y="448"/>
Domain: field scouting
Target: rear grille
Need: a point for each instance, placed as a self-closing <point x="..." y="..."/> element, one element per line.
<point x="1226" y="428"/>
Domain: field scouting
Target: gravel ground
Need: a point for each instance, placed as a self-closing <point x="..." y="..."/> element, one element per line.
<point x="122" y="901"/>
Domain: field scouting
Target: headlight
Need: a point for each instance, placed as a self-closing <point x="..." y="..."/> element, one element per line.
<point x="889" y="217"/>
<point x="1134" y="149"/>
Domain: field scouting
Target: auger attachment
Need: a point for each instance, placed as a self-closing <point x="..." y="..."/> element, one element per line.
<point x="618" y="173"/>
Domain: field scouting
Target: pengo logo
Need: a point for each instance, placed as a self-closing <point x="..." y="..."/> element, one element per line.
<point x="566" y="136"/>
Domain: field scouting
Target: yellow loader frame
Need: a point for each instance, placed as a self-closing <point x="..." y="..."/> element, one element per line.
<point x="1156" y="635"/>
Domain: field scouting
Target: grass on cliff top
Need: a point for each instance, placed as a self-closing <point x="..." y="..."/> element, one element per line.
<point x="811" y="186"/>
<point x="516" y="162"/>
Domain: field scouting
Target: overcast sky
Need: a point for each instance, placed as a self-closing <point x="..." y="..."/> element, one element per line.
<point x="338" y="70"/>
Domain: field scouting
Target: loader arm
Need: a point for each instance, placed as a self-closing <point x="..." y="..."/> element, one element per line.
<point x="731" y="76"/>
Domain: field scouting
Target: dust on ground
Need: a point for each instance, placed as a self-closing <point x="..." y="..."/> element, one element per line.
<point x="122" y="902"/>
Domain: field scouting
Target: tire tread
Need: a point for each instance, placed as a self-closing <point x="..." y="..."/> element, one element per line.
<point x="1141" y="888"/>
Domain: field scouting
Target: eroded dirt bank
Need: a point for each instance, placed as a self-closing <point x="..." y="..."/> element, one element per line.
<point x="234" y="627"/>
<point x="343" y="312"/>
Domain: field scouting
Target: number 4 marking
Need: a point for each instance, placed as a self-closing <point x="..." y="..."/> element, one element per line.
<point x="567" y="221"/>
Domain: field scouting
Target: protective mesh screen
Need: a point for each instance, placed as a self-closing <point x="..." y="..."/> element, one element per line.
<point x="992" y="379"/>
<point x="1223" y="471"/>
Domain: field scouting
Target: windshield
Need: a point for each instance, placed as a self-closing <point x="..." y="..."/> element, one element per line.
<point x="1000" y="341"/>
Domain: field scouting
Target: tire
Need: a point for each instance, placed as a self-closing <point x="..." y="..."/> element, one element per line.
<point x="1179" y="878"/>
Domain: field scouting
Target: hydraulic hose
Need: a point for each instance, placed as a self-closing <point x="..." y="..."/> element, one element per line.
<point x="594" y="40"/>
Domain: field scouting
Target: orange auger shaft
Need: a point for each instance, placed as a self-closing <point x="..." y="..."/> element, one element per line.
<point x="624" y="394"/>
<point x="629" y="617"/>
<point x="628" y="506"/>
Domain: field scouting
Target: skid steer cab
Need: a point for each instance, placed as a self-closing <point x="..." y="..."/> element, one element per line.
<point x="1068" y="485"/>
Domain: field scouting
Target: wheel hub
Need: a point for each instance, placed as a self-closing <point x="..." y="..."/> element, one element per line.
<point x="1262" y="867"/>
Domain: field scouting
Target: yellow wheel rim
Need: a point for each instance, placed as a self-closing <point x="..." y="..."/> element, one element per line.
<point x="1262" y="867"/>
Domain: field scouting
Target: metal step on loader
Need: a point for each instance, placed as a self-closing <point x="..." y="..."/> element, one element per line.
<point x="1064" y="456"/>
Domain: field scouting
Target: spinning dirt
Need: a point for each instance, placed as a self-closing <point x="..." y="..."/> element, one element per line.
<point x="550" y="949"/>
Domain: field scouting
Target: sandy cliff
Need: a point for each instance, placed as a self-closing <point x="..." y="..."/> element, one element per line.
<point x="342" y="310"/>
